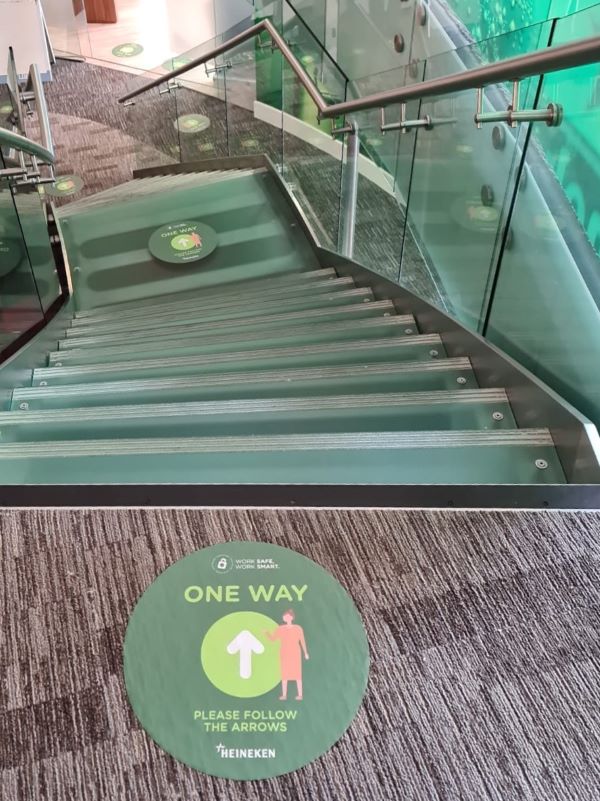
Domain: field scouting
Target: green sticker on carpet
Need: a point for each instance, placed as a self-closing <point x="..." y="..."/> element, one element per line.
<point x="245" y="660"/>
<point x="181" y="242"/>
<point x="191" y="123"/>
<point x="6" y="109"/>
<point x="176" y="63"/>
<point x="64" y="185"/>
<point x="127" y="50"/>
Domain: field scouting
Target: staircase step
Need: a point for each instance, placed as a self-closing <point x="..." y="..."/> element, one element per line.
<point x="301" y="335"/>
<point x="447" y="410"/>
<point x="282" y="279"/>
<point x="389" y="457"/>
<point x="272" y="306"/>
<point x="308" y="317"/>
<point x="431" y="375"/>
<point x="358" y="351"/>
<point x="209" y="301"/>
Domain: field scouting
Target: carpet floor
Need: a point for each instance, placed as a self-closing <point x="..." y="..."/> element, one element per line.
<point x="484" y="631"/>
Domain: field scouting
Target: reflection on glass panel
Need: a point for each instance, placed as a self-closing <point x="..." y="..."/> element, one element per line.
<point x="67" y="26"/>
<point x="311" y="161"/>
<point x="20" y="307"/>
<point x="374" y="36"/>
<point x="461" y="181"/>
<point x="573" y="149"/>
<point x="253" y="91"/>
<point x="545" y="310"/>
<point x="385" y="169"/>
<point x="488" y="18"/>
<point x="35" y="230"/>
<point x="152" y="120"/>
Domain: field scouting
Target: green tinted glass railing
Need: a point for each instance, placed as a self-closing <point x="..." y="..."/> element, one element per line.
<point x="545" y="307"/>
<point x="461" y="180"/>
<point x="252" y="81"/>
<point x="488" y="18"/>
<point x="20" y="305"/>
<point x="384" y="171"/>
<point x="34" y="226"/>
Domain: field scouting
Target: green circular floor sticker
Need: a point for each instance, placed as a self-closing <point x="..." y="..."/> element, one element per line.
<point x="64" y="185"/>
<point x="182" y="242"/>
<point x="127" y="50"/>
<point x="245" y="660"/>
<point x="176" y="63"/>
<point x="6" y="109"/>
<point x="191" y="123"/>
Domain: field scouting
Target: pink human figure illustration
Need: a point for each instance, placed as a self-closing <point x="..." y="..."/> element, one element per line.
<point x="291" y="637"/>
<point x="196" y="239"/>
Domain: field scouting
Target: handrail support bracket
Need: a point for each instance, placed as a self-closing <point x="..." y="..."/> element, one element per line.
<point x="552" y="115"/>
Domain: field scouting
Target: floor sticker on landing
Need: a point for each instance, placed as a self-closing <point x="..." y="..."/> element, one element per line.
<point x="245" y="660"/>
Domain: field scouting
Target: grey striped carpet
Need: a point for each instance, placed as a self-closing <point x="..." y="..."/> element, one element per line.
<point x="484" y="636"/>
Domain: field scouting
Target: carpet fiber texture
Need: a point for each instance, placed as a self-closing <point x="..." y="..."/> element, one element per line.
<point x="483" y="629"/>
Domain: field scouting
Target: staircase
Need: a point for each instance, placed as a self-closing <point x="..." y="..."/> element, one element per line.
<point x="272" y="370"/>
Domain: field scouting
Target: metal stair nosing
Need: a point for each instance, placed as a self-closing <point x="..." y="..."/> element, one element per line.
<point x="292" y="277"/>
<point x="340" y="298"/>
<point x="224" y="300"/>
<point x="335" y="332"/>
<point x="395" y="345"/>
<point x="291" y="378"/>
<point x="355" y="311"/>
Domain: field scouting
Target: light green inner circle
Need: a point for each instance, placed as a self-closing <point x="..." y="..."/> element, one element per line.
<point x="182" y="242"/>
<point x="223" y="668"/>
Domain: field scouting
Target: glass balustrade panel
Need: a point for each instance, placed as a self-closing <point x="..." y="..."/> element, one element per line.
<point x="31" y="209"/>
<point x="462" y="182"/>
<point x="545" y="307"/>
<point x="20" y="306"/>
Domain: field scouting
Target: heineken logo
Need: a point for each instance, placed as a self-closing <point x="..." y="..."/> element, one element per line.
<point x="182" y="242"/>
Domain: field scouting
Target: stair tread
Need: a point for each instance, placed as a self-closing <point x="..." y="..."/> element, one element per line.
<point x="465" y="396"/>
<point x="235" y="377"/>
<point x="388" y="440"/>
<point x="243" y="323"/>
<point x="332" y="331"/>
<point x="208" y="301"/>
<point x="323" y="300"/>
<point x="391" y="343"/>
<point x="295" y="277"/>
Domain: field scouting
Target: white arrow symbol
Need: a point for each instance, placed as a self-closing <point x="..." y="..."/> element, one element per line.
<point x="245" y="644"/>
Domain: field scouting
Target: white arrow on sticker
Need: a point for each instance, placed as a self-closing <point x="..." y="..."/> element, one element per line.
<point x="245" y="644"/>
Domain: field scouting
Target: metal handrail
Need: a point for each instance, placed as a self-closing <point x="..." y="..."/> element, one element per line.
<point x="551" y="59"/>
<point x="18" y="142"/>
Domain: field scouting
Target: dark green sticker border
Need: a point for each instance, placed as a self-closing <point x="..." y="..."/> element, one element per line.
<point x="182" y="242"/>
<point x="192" y="123"/>
<point x="64" y="186"/>
<point x="207" y="647"/>
<point x="127" y="50"/>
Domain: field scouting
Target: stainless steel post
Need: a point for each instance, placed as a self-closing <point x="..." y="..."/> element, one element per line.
<point x="349" y="193"/>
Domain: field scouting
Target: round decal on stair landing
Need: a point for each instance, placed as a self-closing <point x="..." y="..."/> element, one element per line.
<point x="182" y="242"/>
<point x="64" y="186"/>
<point x="245" y="660"/>
<point x="127" y="50"/>
<point x="6" y="109"/>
